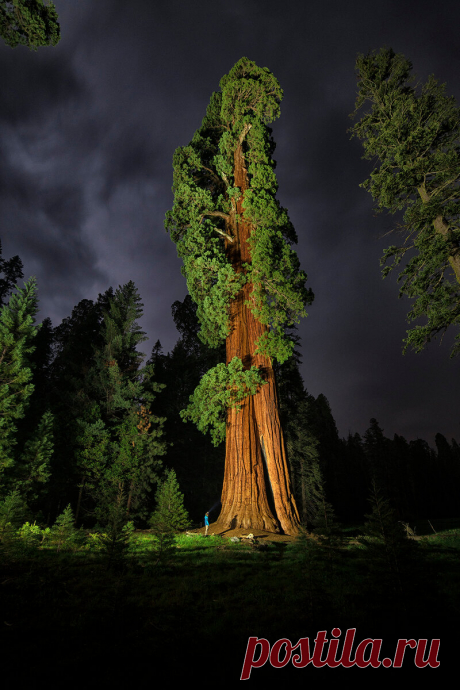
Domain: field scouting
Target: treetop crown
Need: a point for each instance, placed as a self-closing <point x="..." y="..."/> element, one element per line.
<point x="249" y="90"/>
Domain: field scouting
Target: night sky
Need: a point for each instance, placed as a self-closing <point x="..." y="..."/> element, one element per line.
<point x="87" y="134"/>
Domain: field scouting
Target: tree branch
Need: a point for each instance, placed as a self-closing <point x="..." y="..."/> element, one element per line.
<point x="246" y="129"/>
<point x="220" y="214"/>
<point x="224" y="234"/>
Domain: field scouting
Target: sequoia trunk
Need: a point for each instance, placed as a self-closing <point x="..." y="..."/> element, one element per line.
<point x="254" y="435"/>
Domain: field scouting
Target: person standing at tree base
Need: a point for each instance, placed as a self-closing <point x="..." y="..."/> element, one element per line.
<point x="206" y="524"/>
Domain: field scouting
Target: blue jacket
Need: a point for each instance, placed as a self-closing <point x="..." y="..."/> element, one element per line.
<point x="206" y="520"/>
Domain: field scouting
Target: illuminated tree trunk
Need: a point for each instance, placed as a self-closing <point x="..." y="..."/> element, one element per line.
<point x="254" y="434"/>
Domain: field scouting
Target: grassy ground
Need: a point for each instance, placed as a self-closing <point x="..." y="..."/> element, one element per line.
<point x="81" y="611"/>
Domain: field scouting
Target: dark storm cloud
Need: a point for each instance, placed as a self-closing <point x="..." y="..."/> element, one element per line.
<point x="129" y="157"/>
<point x="87" y="134"/>
<point x="63" y="206"/>
<point x="42" y="188"/>
<point x="30" y="88"/>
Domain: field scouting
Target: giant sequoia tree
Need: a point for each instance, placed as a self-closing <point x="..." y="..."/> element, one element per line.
<point x="412" y="132"/>
<point x="235" y="241"/>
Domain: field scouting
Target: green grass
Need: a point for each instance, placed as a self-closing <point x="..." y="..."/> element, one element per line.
<point x="209" y="593"/>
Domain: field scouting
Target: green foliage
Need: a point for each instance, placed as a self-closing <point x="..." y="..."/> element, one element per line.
<point x="26" y="440"/>
<point x="221" y="387"/>
<point x="170" y="514"/>
<point x="33" y="467"/>
<point x="12" y="272"/>
<point x="249" y="91"/>
<point x="205" y="206"/>
<point x="74" y="341"/>
<point x="162" y="550"/>
<point x="63" y="532"/>
<point x="119" y="440"/>
<point x="269" y="587"/>
<point x="17" y="331"/>
<point x="12" y="513"/>
<point x="93" y="446"/>
<point x="33" y="23"/>
<point x="168" y="518"/>
<point x="412" y="133"/>
<point x="115" y="542"/>
<point x="30" y="536"/>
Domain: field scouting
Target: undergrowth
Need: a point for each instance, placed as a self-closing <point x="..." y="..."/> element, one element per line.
<point x="201" y="590"/>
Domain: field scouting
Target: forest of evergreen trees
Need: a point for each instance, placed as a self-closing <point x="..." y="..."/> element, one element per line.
<point x="86" y="421"/>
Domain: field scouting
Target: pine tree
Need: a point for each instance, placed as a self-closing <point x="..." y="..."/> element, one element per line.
<point x="36" y="430"/>
<point x="120" y="391"/>
<point x="63" y="532"/>
<point x="170" y="514"/>
<point x="13" y="511"/>
<point x="329" y="448"/>
<point x="33" y="465"/>
<point x="26" y="436"/>
<point x="33" y="23"/>
<point x="12" y="272"/>
<point x="74" y="341"/>
<point x="235" y="241"/>
<point x="17" y="331"/>
<point x="412" y="132"/>
<point x="40" y="361"/>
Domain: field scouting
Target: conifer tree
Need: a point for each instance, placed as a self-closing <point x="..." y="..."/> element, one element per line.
<point x="120" y="440"/>
<point x="236" y="244"/>
<point x="33" y="465"/>
<point x="411" y="131"/>
<point x="329" y="448"/>
<point x="17" y="332"/>
<point x="12" y="272"/>
<point x="13" y="511"/>
<point x="26" y="440"/>
<point x="73" y="345"/>
<point x="63" y="531"/>
<point x="36" y="430"/>
<point x="170" y="514"/>
<point x="33" y="23"/>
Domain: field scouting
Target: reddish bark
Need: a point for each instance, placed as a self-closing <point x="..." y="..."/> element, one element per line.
<point x="255" y="431"/>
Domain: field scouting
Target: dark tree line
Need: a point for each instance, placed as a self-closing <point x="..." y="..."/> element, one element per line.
<point x="419" y="481"/>
<point x="77" y="425"/>
<point x="87" y="421"/>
